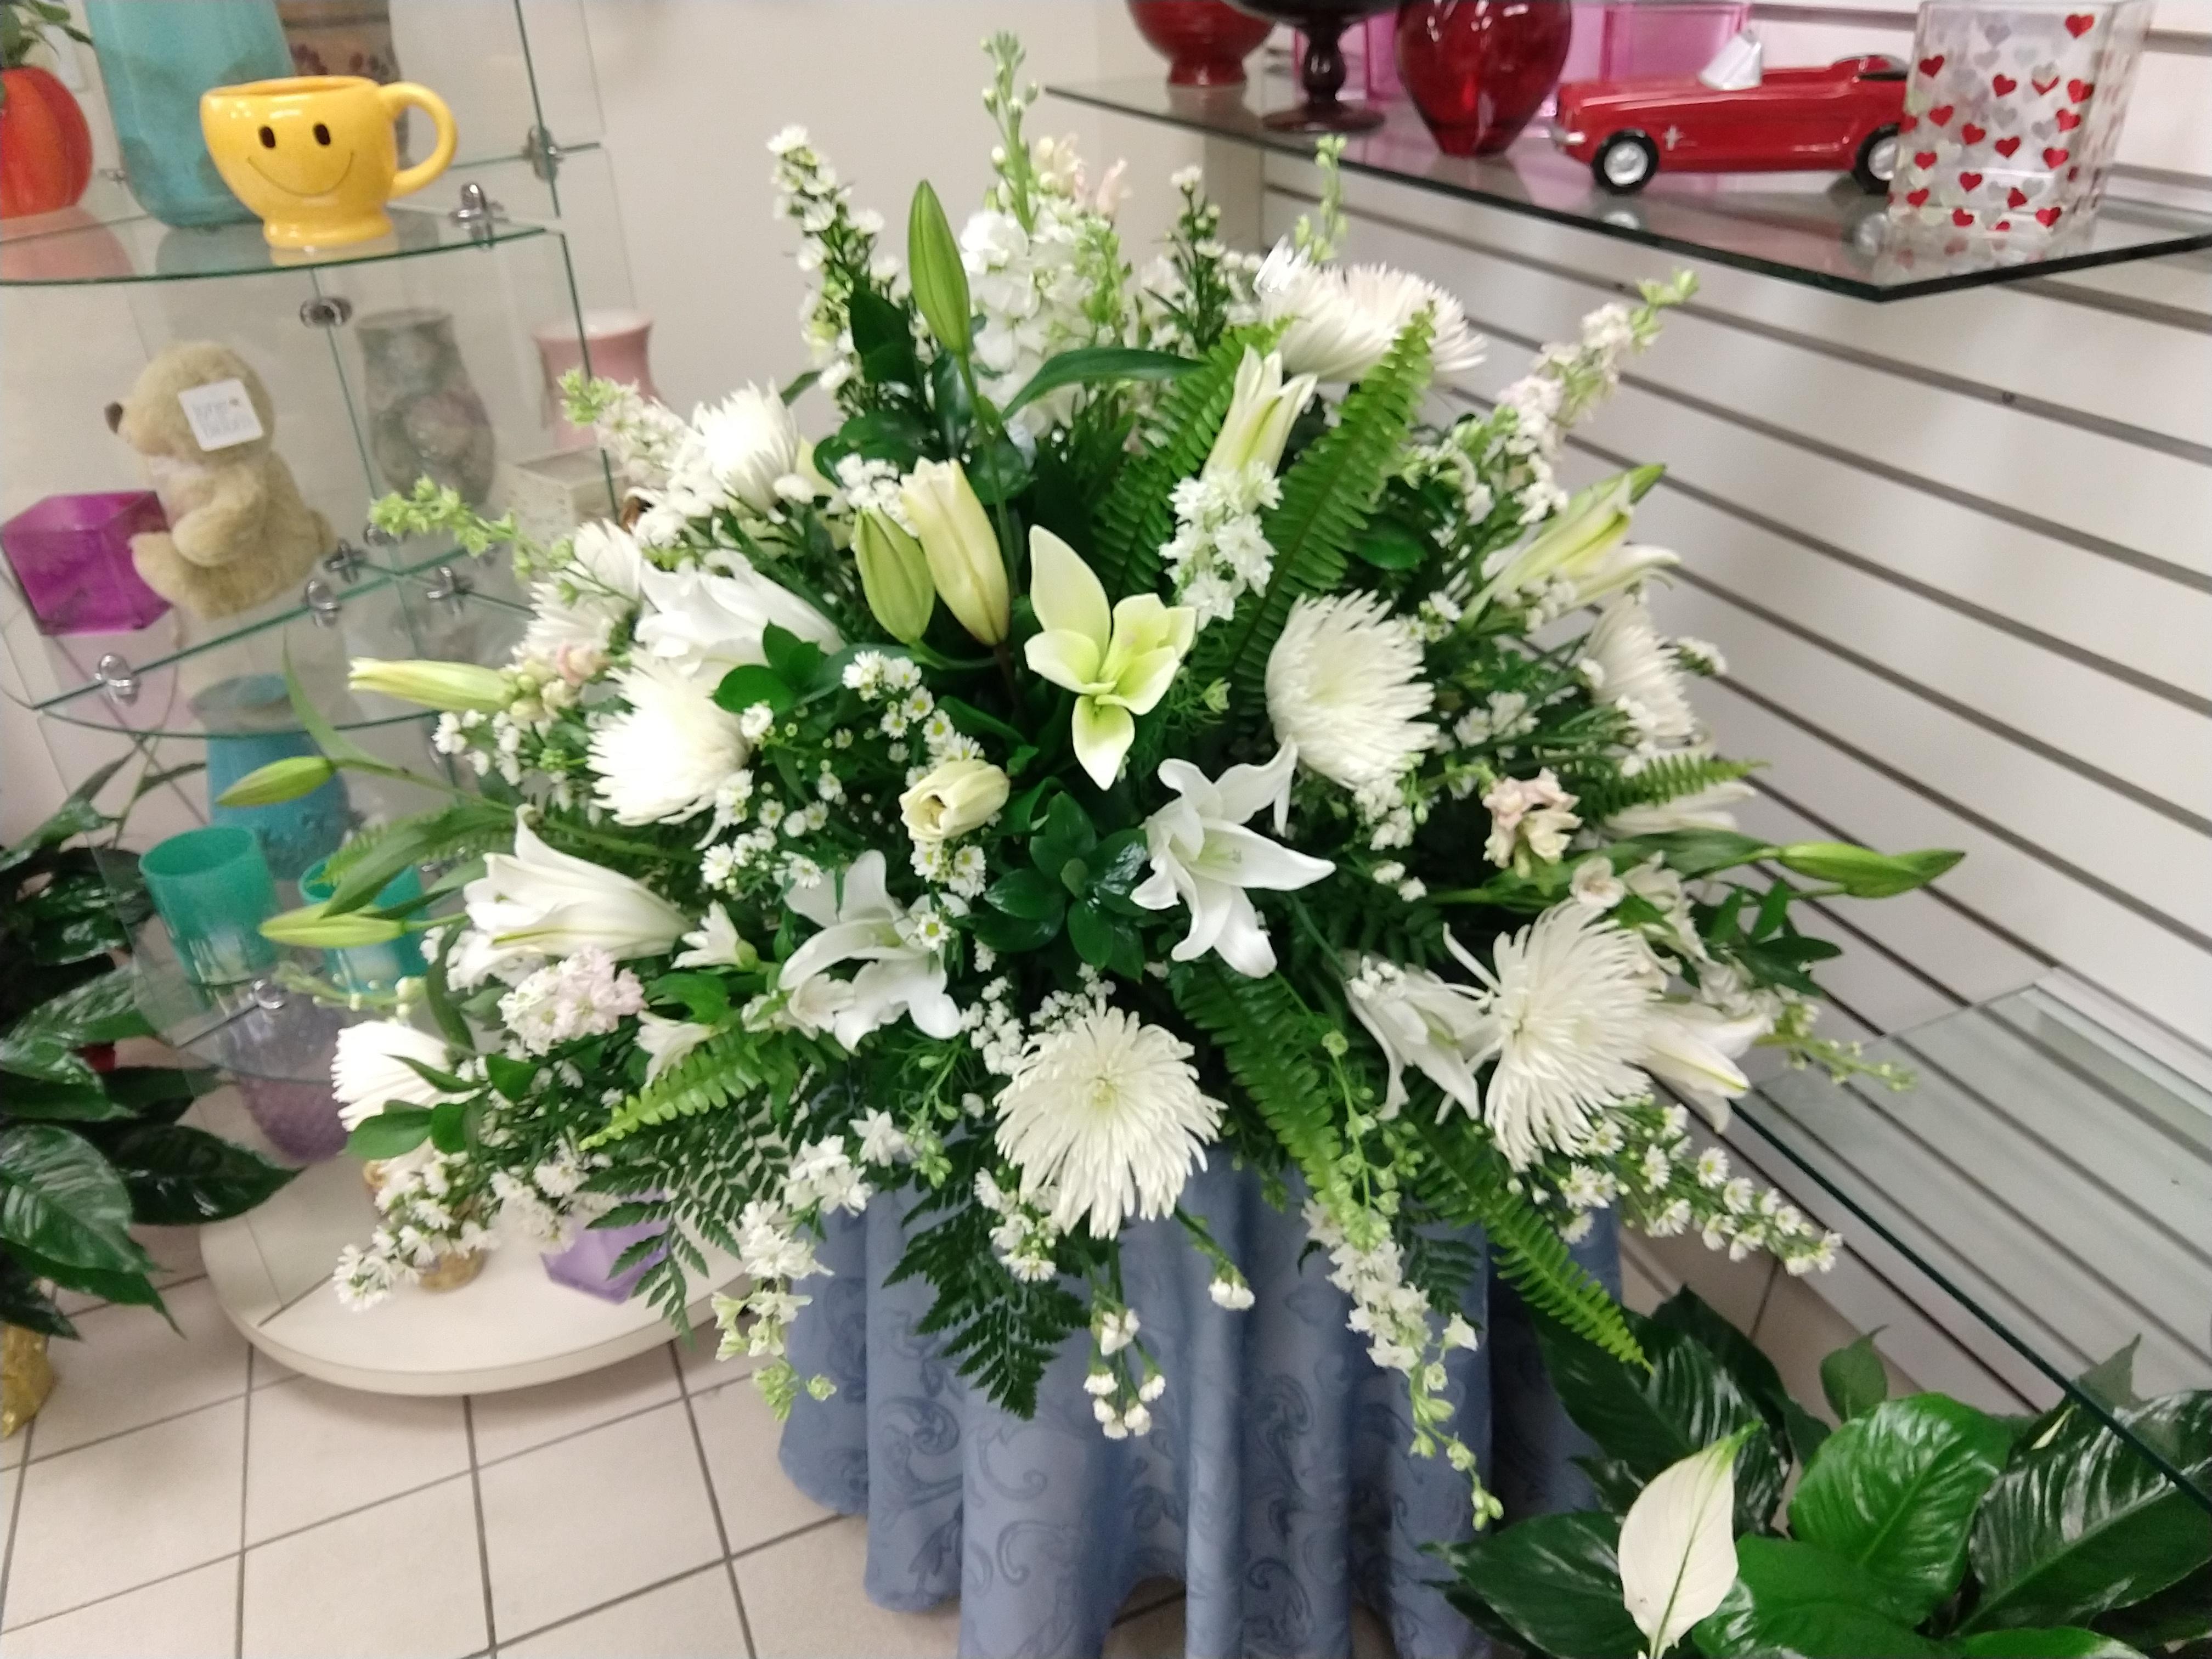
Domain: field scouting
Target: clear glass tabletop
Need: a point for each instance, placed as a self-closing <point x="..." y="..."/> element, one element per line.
<point x="1802" y="227"/>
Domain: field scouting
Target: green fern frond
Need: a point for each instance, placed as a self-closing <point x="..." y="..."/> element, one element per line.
<point x="1328" y="495"/>
<point x="999" y="1332"/>
<point x="728" y="1066"/>
<point x="1138" y="518"/>
<point x="1668" y="778"/>
<point x="1468" y="1184"/>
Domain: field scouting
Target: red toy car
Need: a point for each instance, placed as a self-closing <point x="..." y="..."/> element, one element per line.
<point x="1844" y="116"/>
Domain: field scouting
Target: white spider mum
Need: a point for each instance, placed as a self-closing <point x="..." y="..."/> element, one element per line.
<point x="1638" y="673"/>
<point x="1105" y="1114"/>
<point x="1570" y="996"/>
<point x="1344" y="684"/>
<point x="663" y="760"/>
<point x="1343" y="322"/>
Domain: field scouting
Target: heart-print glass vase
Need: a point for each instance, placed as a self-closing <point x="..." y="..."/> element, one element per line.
<point x="2013" y="114"/>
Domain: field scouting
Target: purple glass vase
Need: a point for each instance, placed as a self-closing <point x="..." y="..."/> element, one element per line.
<point x="72" y="554"/>
<point x="588" y="1265"/>
<point x="300" y="1119"/>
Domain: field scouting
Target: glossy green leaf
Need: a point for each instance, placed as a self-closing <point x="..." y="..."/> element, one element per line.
<point x="1091" y="933"/>
<point x="1089" y="363"/>
<point x="1555" y="1580"/>
<point x="1792" y="1598"/>
<point x="1388" y="545"/>
<point x="754" y="682"/>
<point x="1693" y="852"/>
<point x="2051" y="1642"/>
<point x="1752" y="1371"/>
<point x="64" y="1102"/>
<point x="395" y="1130"/>
<point x="512" y="1077"/>
<point x="795" y="660"/>
<point x="2086" y="1524"/>
<point x="1029" y="894"/>
<point x="180" y="1177"/>
<point x="998" y="472"/>
<point x="449" y="1126"/>
<point x="2182" y="1612"/>
<point x="1894" y="1491"/>
<point x="24" y="1301"/>
<point x="1854" y="1378"/>
<point x="102" y="1010"/>
<point x="59" y="1199"/>
<point x="132" y="1288"/>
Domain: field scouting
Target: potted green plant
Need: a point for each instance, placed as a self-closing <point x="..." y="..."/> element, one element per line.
<point x="88" y="1147"/>
<point x="1920" y="1526"/>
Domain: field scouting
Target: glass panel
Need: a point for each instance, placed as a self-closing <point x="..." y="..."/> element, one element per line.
<point x="1827" y="234"/>
<point x="2050" y="1176"/>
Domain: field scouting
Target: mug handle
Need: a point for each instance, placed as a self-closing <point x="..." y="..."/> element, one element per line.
<point x="396" y="98"/>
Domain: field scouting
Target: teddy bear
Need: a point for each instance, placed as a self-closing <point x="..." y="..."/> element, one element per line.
<point x="239" y="532"/>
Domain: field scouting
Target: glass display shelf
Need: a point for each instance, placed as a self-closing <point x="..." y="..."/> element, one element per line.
<point x="1802" y="227"/>
<point x="2049" y="1176"/>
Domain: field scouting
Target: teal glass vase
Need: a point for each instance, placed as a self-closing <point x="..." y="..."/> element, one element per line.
<point x="368" y="968"/>
<point x="249" y="723"/>
<point x="156" y="58"/>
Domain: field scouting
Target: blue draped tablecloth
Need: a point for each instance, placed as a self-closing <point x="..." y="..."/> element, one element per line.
<point x="1276" y="1483"/>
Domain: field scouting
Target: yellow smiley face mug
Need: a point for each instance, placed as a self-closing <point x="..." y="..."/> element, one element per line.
<point x="315" y="155"/>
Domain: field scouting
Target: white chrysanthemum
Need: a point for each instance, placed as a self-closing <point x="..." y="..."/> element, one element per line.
<point x="368" y="1071"/>
<point x="739" y="451"/>
<point x="1342" y="322"/>
<point x="577" y="608"/>
<point x="1569" y="999"/>
<point x="1344" y="684"/>
<point x="663" y="760"/>
<point x="1637" y="674"/>
<point x="1105" y="1114"/>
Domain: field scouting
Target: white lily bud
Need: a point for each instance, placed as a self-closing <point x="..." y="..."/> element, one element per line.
<point x="895" y="575"/>
<point x="960" y="546"/>
<point x="1260" y="416"/>
<point x="459" y="686"/>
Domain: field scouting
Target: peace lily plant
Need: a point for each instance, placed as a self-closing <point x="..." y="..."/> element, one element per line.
<point x="1123" y="736"/>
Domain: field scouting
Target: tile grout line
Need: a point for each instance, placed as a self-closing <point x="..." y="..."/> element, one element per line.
<point x="244" y="1486"/>
<point x="597" y="1607"/>
<point x="786" y="1537"/>
<point x="150" y="1423"/>
<point x="14" y="1513"/>
<point x="101" y="1600"/>
<point x="714" y="1501"/>
<point x="483" y="1544"/>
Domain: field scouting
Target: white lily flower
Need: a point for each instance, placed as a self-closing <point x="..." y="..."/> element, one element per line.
<point x="700" y="622"/>
<point x="666" y="1041"/>
<point x="368" y="1071"/>
<point x="716" y="943"/>
<point x="1260" y="415"/>
<point x="1692" y="1048"/>
<point x="1706" y="810"/>
<point x="1584" y="547"/>
<point x="1420" y="1020"/>
<point x="1120" y="666"/>
<point x="862" y="924"/>
<point x="1203" y="855"/>
<point x="537" y="901"/>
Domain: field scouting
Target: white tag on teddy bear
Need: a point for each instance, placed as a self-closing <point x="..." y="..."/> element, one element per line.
<point x="220" y="414"/>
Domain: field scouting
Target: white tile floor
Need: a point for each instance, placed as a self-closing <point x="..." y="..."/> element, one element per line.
<point x="189" y="1499"/>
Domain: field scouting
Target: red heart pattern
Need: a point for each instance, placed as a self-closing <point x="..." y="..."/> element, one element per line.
<point x="2068" y="121"/>
<point x="1970" y="133"/>
<point x="1970" y="181"/>
<point x="2004" y="224"/>
<point x="1961" y="218"/>
<point x="1940" y="114"/>
<point x="1923" y="158"/>
<point x="2017" y="198"/>
<point x="1931" y="67"/>
<point x="2006" y="146"/>
<point x="2048" y="217"/>
<point x="2054" y="157"/>
<point x="1907" y="123"/>
<point x="2077" y="92"/>
<point x="2079" y="23"/>
<point x="2002" y="84"/>
<point x="1917" y="197"/>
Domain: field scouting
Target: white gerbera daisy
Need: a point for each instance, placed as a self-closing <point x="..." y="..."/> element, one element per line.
<point x="1343" y="322"/>
<point x="664" y="759"/>
<point x="1638" y="675"/>
<point x="1105" y="1114"/>
<point x="1570" y="1000"/>
<point x="1344" y="684"/>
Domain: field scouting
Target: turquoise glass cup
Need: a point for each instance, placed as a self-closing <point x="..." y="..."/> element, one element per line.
<point x="371" y="967"/>
<point x="213" y="887"/>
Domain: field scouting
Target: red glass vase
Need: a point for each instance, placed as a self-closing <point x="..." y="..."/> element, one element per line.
<point x="1206" y="42"/>
<point x="1479" y="70"/>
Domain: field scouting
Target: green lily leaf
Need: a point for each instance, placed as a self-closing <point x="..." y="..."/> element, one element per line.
<point x="1791" y="1598"/>
<point x="1854" y="1378"/>
<point x="2054" y="1642"/>
<point x="394" y="1130"/>
<point x="59" y="1199"/>
<point x="1555" y="1580"/>
<point x="102" y="1010"/>
<point x="1089" y="363"/>
<point x="179" y="1177"/>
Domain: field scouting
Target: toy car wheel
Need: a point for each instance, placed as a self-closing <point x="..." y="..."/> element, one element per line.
<point x="1877" y="161"/>
<point x="1625" y="163"/>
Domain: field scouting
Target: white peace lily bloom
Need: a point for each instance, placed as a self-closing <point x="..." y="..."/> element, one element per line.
<point x="537" y="900"/>
<point x="863" y="924"/>
<point x="706" y="623"/>
<point x="739" y="452"/>
<point x="1677" y="1548"/>
<point x="1418" y="1019"/>
<point x="367" y="1072"/>
<point x="1636" y="670"/>
<point x="1105" y="1115"/>
<point x="1692" y="1048"/>
<point x="1119" y="665"/>
<point x="1567" y="999"/>
<point x="1706" y="810"/>
<point x="716" y="943"/>
<point x="1345" y="685"/>
<point x="1342" y="323"/>
<point x="1260" y="417"/>
<point x="667" y="1040"/>
<point x="1203" y="854"/>
<point x="661" y="760"/>
<point x="577" y="608"/>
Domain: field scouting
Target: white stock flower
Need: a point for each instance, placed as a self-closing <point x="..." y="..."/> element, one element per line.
<point x="661" y="760"/>
<point x="1593" y="884"/>
<point x="738" y="451"/>
<point x="864" y="924"/>
<point x="1418" y="1019"/>
<point x="580" y="995"/>
<point x="1637" y="674"/>
<point x="1203" y="855"/>
<point x="1345" y="685"/>
<point x="368" y="1071"/>
<point x="703" y="622"/>
<point x="1534" y="814"/>
<point x="537" y="900"/>
<point x="1342" y="322"/>
<point x="1105" y="1114"/>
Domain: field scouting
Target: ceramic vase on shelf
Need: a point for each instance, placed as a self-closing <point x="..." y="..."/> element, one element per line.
<point x="1206" y="42"/>
<point x="425" y="419"/>
<point x="1478" y="70"/>
<point x="2013" y="114"/>
<point x="344" y="37"/>
<point x="45" y="148"/>
<point x="618" y="342"/>
<point x="1320" y="62"/>
<point x="156" y="58"/>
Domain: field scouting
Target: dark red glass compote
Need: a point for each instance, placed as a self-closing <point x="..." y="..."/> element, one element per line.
<point x="1478" y="69"/>
<point x="1320" y="69"/>
<point x="1206" y="42"/>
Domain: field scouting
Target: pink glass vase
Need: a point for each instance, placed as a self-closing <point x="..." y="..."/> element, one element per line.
<point x="617" y="341"/>
<point x="72" y="556"/>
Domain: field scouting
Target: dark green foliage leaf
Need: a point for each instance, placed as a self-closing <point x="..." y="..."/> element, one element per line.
<point x="1790" y="1598"/>
<point x="753" y="683"/>
<point x="2112" y="1382"/>
<point x="1013" y="934"/>
<point x="1555" y="1581"/>
<point x="512" y="1077"/>
<point x="393" y="1131"/>
<point x="449" y="1131"/>
<point x="1088" y="363"/>
<point x="896" y="435"/>
<point x="1617" y="1485"/>
<point x="1854" y="1379"/>
<point x="882" y="339"/>
<point x="63" y="1103"/>
<point x="156" y="1093"/>
<point x="2057" y="1642"/>
<point x="2088" y="1523"/>
<point x="2182" y="1612"/>
<point x="998" y="472"/>
<point x="1752" y="1371"/>
<point x="1806" y="1433"/>
<point x="1894" y="1491"/>
<point x="24" y="1301"/>
<point x="1029" y="894"/>
<point x="59" y="1199"/>
<point x="133" y="1288"/>
<point x="102" y="1010"/>
<point x="1389" y="545"/>
<point x="1693" y="852"/>
<point x="365" y="872"/>
<point x="1091" y="933"/>
<point x="796" y="660"/>
<point x="179" y="1177"/>
<point x="705" y="997"/>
